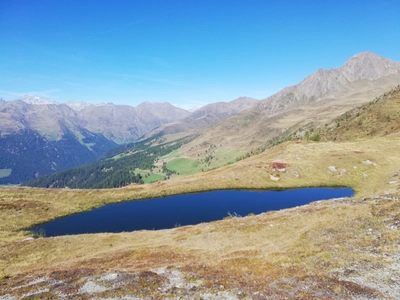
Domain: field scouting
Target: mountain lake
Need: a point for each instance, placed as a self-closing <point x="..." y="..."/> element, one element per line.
<point x="185" y="209"/>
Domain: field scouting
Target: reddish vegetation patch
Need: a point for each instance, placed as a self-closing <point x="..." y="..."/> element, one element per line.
<point x="358" y="152"/>
<point x="278" y="165"/>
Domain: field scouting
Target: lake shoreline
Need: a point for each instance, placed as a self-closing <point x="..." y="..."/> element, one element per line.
<point x="185" y="209"/>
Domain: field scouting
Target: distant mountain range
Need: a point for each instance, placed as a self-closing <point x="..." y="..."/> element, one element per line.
<point x="118" y="123"/>
<point x="205" y="116"/>
<point x="43" y="131"/>
<point x="39" y="136"/>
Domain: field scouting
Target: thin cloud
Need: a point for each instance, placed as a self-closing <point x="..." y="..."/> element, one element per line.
<point x="13" y="95"/>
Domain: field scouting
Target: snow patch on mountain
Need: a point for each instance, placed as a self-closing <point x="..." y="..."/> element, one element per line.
<point x="35" y="100"/>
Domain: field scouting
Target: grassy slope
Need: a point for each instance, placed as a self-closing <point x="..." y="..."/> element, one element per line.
<point x="149" y="179"/>
<point x="329" y="249"/>
<point x="250" y="130"/>
<point x="378" y="118"/>
<point x="295" y="246"/>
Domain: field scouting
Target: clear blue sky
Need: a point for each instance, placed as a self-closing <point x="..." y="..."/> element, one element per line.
<point x="187" y="52"/>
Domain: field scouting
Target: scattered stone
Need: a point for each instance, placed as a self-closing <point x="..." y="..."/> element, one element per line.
<point x="354" y="167"/>
<point x="282" y="170"/>
<point x="90" y="288"/>
<point x="393" y="182"/>
<point x="365" y="175"/>
<point x="109" y="277"/>
<point x="368" y="162"/>
<point x="7" y="297"/>
<point x="28" y="239"/>
<point x="332" y="169"/>
<point x="176" y="280"/>
<point x="273" y="178"/>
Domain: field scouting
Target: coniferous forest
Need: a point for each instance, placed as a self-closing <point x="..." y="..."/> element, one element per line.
<point x="113" y="172"/>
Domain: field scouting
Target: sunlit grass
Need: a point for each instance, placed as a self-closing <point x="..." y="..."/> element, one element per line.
<point x="184" y="166"/>
<point x="312" y="240"/>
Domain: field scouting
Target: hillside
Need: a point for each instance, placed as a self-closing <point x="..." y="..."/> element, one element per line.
<point x="118" y="123"/>
<point x="338" y="249"/>
<point x="205" y="116"/>
<point x="127" y="168"/>
<point x="319" y="98"/>
<point x="238" y="129"/>
<point x="380" y="117"/>
<point x="134" y="163"/>
<point x="124" y="124"/>
<point x="27" y="154"/>
<point x="39" y="136"/>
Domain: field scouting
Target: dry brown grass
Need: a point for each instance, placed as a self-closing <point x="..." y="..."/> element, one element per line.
<point x="289" y="253"/>
<point x="276" y="254"/>
<point x="380" y="117"/>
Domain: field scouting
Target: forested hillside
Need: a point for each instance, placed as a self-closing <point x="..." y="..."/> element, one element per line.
<point x="28" y="154"/>
<point x="117" y="171"/>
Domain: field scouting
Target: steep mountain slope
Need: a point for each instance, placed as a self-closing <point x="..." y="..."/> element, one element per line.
<point x="380" y="117"/>
<point x="123" y="123"/>
<point x="361" y="73"/>
<point x="119" y="123"/>
<point x="320" y="97"/>
<point x="27" y="154"/>
<point x="113" y="172"/>
<point x="205" y="116"/>
<point x="49" y="120"/>
<point x="39" y="136"/>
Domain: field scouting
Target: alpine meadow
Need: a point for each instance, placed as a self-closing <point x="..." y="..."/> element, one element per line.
<point x="103" y="104"/>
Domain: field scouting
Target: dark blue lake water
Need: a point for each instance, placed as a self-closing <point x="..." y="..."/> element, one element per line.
<point x="187" y="209"/>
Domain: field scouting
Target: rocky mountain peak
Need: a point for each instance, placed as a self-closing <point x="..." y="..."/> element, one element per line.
<point x="244" y="99"/>
<point x="77" y="105"/>
<point x="2" y="100"/>
<point x="369" y="66"/>
<point x="358" y="73"/>
<point x="35" y="100"/>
